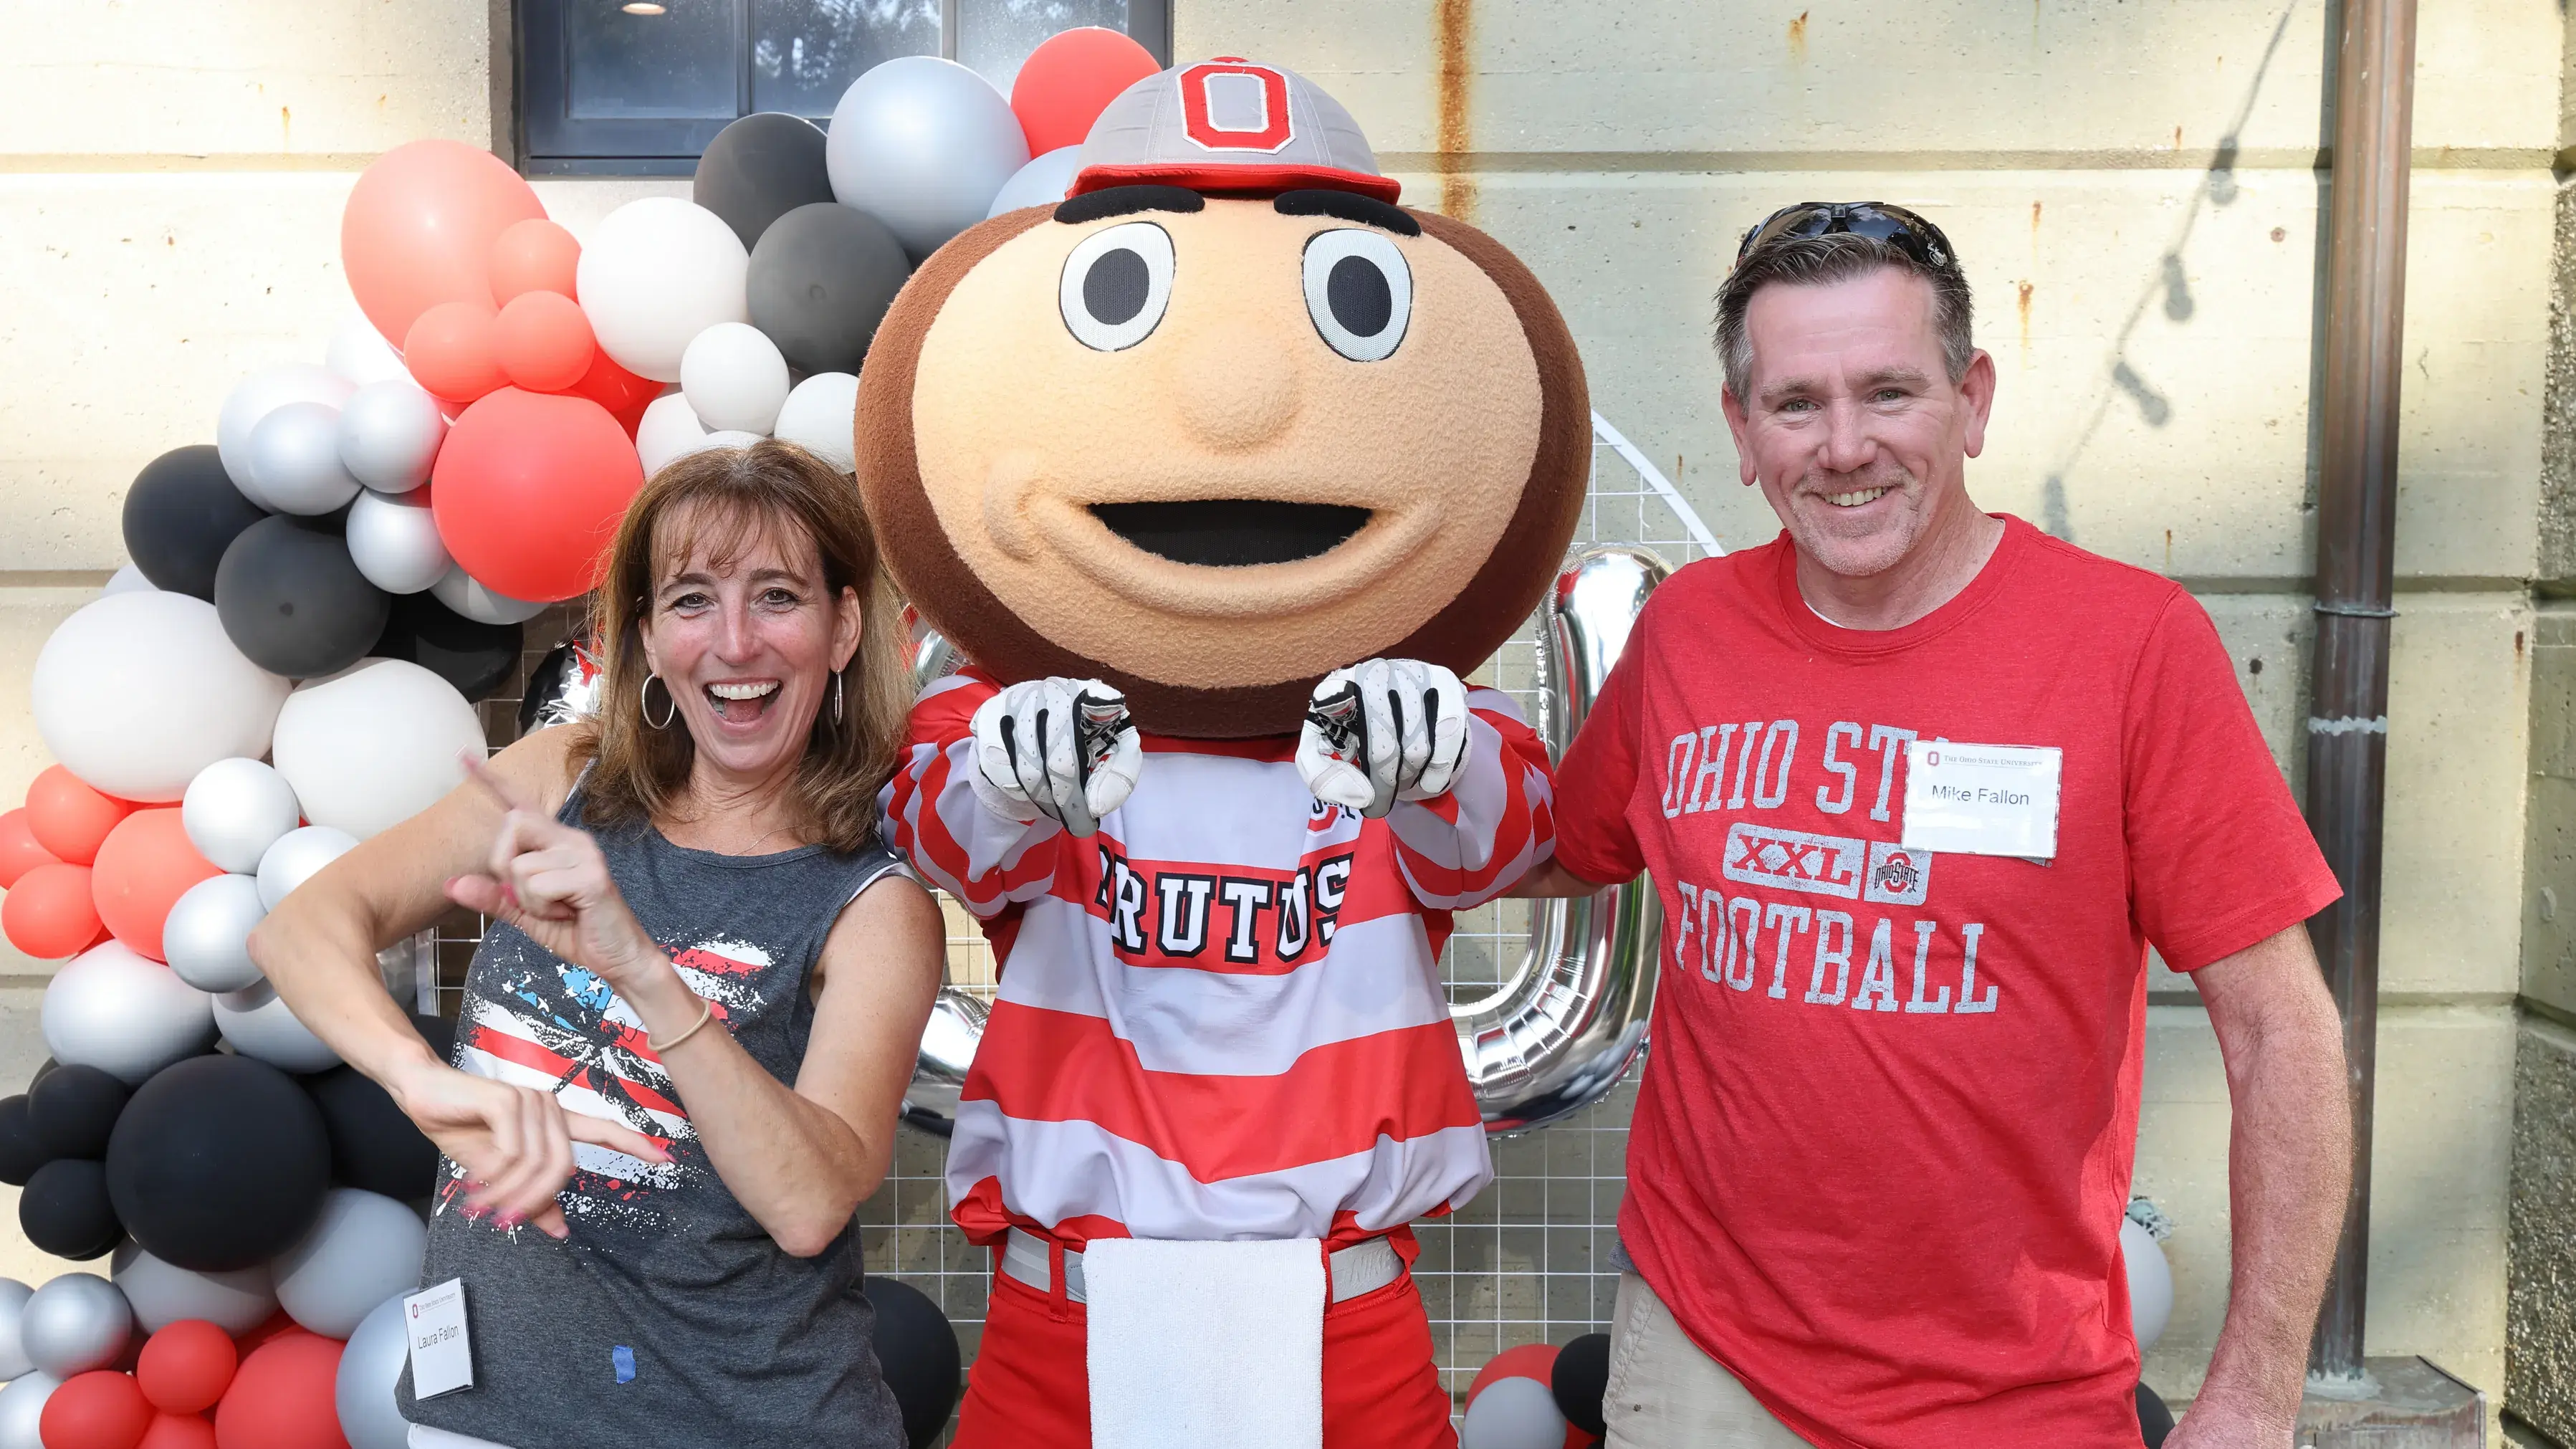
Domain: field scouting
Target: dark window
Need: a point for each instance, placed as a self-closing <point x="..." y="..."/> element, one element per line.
<point x="640" y="86"/>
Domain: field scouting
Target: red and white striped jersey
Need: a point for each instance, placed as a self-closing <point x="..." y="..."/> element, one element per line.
<point x="1220" y="1016"/>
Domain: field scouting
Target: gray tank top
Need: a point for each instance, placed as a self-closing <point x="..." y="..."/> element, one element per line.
<point x="669" y="1318"/>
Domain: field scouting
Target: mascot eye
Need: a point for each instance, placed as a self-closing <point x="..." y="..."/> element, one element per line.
<point x="1116" y="285"/>
<point x="1359" y="291"/>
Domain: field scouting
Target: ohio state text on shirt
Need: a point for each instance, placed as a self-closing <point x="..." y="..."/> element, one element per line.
<point x="1883" y="1144"/>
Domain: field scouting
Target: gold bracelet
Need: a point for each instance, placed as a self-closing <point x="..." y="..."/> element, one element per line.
<point x="706" y="1013"/>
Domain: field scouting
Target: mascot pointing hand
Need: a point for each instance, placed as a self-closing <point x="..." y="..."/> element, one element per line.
<point x="1222" y="473"/>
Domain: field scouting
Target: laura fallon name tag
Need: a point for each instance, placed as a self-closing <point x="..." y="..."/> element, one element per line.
<point x="434" y="1324"/>
<point x="1982" y="799"/>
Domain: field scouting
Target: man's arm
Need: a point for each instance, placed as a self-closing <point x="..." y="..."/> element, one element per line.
<point x="2289" y="1164"/>
<point x="1548" y="879"/>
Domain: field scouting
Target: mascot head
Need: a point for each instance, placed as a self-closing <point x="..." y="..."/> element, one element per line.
<point x="1225" y="420"/>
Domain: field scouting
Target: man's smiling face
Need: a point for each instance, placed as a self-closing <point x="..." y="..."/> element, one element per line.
<point x="1229" y="446"/>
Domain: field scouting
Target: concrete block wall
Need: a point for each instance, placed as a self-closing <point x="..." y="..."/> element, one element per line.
<point x="2135" y="192"/>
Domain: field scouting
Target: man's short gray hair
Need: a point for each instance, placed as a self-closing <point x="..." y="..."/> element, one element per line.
<point x="1817" y="261"/>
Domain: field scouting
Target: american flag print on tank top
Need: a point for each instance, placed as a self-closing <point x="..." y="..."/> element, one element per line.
<point x="1220" y="1016"/>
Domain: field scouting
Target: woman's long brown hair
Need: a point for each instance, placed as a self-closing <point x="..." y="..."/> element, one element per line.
<point x="731" y="498"/>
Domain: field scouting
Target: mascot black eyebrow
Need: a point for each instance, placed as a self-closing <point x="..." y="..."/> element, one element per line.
<point x="1222" y="472"/>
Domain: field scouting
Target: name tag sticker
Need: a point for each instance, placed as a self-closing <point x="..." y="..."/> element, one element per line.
<point x="434" y="1323"/>
<point x="1982" y="799"/>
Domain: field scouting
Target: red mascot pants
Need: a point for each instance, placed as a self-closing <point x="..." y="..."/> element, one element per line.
<point x="1030" y="1388"/>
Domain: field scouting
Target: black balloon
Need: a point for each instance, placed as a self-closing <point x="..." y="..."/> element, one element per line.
<point x="477" y="658"/>
<point x="917" y="1350"/>
<point x="1581" y="1376"/>
<point x="564" y="687"/>
<point x="74" y="1109"/>
<point x="2155" y="1421"/>
<point x="218" y="1163"/>
<point x="65" y="1210"/>
<point x="373" y="1145"/>
<point x="181" y="514"/>
<point x="821" y="279"/>
<point x="293" y="602"/>
<point x="760" y="168"/>
<point x="21" y="1152"/>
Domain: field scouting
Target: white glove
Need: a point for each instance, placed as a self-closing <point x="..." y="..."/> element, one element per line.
<point x="1061" y="748"/>
<point x="1383" y="730"/>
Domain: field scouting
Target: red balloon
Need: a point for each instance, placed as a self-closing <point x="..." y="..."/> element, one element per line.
<point x="143" y="869"/>
<point x="49" y="913"/>
<point x="625" y="395"/>
<point x="533" y="256"/>
<point x="101" y="1409"/>
<point x="178" y="1431"/>
<point x="68" y="818"/>
<point x="1529" y="1361"/>
<point x="19" y="852"/>
<point x="454" y="351"/>
<point x="186" y="1366"/>
<point x="528" y="490"/>
<point x="420" y="225"/>
<point x="282" y="1397"/>
<point x="544" y="341"/>
<point x="1070" y="79"/>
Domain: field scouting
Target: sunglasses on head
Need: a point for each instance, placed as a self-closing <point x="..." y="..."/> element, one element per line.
<point x="1877" y="220"/>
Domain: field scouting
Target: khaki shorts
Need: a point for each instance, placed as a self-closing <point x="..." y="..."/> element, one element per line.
<point x="1664" y="1393"/>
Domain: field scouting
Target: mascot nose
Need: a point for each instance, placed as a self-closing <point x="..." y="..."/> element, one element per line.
<point x="1235" y="390"/>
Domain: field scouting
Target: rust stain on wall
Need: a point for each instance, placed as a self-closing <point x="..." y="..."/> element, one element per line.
<point x="2024" y="304"/>
<point x="1798" y="39"/>
<point x="1455" y="144"/>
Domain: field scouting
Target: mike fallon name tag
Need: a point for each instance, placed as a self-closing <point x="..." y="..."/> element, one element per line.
<point x="1982" y="799"/>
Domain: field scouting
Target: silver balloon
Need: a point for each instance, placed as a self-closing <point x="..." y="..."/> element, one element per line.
<point x="256" y="1023"/>
<point x="564" y="687"/>
<point x="13" y="1354"/>
<point x="22" y="1407"/>
<point x="207" y="933"/>
<point x="295" y="455"/>
<point x="162" y="1293"/>
<point x="389" y="435"/>
<point x="75" y="1323"/>
<point x="371" y="1368"/>
<point x="923" y="145"/>
<point x="1561" y="1032"/>
<point x="1513" y="1413"/>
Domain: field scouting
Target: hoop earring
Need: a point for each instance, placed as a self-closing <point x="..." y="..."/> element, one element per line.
<point x="836" y="697"/>
<point x="644" y="704"/>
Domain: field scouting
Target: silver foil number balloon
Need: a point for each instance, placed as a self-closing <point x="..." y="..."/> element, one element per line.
<point x="1568" y="1024"/>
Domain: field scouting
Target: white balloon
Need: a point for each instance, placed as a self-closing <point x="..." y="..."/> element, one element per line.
<point x="75" y="1323"/>
<point x="207" y="934"/>
<point x="1513" y="1413"/>
<point x="125" y="1014"/>
<point x="135" y="693"/>
<point x="162" y="1294"/>
<point x="1043" y="182"/>
<point x="22" y="1405"/>
<point x="256" y="1023"/>
<point x="296" y="857"/>
<point x="467" y="595"/>
<point x="235" y="810"/>
<point x="360" y="353"/>
<point x="2151" y="1290"/>
<point x="657" y="272"/>
<point x="394" y="541"/>
<point x="389" y="435"/>
<point x="669" y="429"/>
<point x="727" y="438"/>
<point x="127" y="580"/>
<point x="362" y="1249"/>
<point x="371" y="1365"/>
<point x="819" y="417"/>
<point x="923" y="145"/>
<point x="13" y="1352"/>
<point x="254" y="398"/>
<point x="375" y="744"/>
<point x="734" y="377"/>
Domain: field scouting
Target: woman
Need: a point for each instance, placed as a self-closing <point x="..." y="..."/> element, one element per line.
<point x="690" y="911"/>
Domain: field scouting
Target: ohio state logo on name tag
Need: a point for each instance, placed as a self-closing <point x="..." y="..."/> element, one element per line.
<point x="1231" y="105"/>
<point x="1968" y="799"/>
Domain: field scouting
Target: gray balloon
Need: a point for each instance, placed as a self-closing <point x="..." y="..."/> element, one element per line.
<point x="371" y="1367"/>
<point x="760" y="168"/>
<point x="1513" y="1413"/>
<point x="389" y="435"/>
<point x="295" y="455"/>
<point x="162" y="1293"/>
<point x="22" y="1406"/>
<point x="821" y="279"/>
<point x="75" y="1323"/>
<point x="923" y="145"/>
<point x="13" y="1354"/>
<point x="206" y="937"/>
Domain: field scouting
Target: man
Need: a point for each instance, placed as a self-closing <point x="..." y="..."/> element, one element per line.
<point x="1918" y="785"/>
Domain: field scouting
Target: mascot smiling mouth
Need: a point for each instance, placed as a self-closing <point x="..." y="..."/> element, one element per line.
<point x="1233" y="532"/>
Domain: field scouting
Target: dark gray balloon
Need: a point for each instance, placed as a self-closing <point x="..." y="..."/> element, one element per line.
<point x="476" y="657"/>
<point x="181" y="514"/>
<point x="293" y="602"/>
<point x="821" y="279"/>
<point x="760" y="168"/>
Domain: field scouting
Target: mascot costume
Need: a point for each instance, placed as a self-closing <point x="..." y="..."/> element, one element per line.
<point x="1220" y="473"/>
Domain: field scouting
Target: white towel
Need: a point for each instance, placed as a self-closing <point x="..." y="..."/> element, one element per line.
<point x="1194" y="1344"/>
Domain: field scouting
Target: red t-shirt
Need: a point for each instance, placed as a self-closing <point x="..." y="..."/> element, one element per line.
<point x="1882" y="1148"/>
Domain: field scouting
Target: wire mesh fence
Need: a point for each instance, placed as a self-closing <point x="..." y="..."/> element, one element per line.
<point x="1528" y="1261"/>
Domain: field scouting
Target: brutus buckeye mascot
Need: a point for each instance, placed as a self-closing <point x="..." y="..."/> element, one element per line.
<point x="1221" y="472"/>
